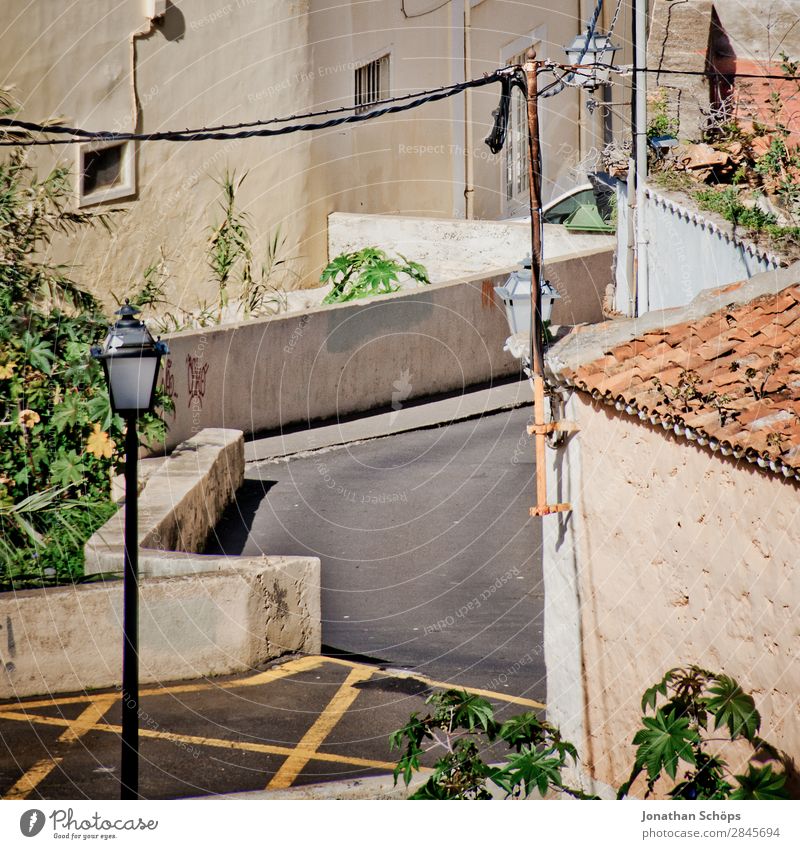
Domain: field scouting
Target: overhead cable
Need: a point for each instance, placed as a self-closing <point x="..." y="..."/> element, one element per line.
<point x="254" y="129"/>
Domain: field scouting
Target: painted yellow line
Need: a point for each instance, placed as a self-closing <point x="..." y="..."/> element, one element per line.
<point x="442" y="685"/>
<point x="264" y="748"/>
<point x="88" y="718"/>
<point x="28" y="782"/>
<point x="487" y="694"/>
<point x="319" y="731"/>
<point x="300" y="664"/>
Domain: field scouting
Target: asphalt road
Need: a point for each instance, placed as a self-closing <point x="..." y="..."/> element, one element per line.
<point x="430" y="561"/>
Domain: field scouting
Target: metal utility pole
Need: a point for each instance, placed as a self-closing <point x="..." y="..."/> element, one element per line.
<point x="637" y="171"/>
<point x="540" y="428"/>
<point x="129" y="768"/>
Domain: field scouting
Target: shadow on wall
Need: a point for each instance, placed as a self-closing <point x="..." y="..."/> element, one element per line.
<point x="173" y="25"/>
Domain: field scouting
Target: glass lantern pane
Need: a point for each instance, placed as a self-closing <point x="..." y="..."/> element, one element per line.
<point x="130" y="381"/>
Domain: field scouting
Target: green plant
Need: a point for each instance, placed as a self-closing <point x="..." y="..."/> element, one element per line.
<point x="59" y="441"/>
<point x="229" y="244"/>
<point x="525" y="753"/>
<point x="679" y="732"/>
<point x="231" y="259"/>
<point x="659" y="123"/>
<point x="263" y="294"/>
<point x="727" y="203"/>
<point x="464" y="726"/>
<point x="757" y="380"/>
<point x="367" y="272"/>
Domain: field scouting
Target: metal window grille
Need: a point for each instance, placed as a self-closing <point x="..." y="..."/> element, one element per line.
<point x="371" y="83"/>
<point x="515" y="171"/>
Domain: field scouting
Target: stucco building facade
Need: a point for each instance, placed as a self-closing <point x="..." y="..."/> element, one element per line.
<point x="681" y="544"/>
<point x="105" y="66"/>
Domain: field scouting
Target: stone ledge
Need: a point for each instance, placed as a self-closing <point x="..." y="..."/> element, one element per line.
<point x="192" y="626"/>
<point x="180" y="504"/>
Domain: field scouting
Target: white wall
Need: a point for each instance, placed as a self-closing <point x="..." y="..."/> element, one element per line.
<point x="687" y="251"/>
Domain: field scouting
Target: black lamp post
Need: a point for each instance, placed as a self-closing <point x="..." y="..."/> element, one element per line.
<point x="131" y="360"/>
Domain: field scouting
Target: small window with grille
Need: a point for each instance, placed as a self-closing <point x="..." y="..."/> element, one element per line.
<point x="371" y="83"/>
<point x="105" y="172"/>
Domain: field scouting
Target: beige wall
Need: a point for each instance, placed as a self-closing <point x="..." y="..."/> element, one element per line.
<point x="240" y="60"/>
<point x="209" y="62"/>
<point x="671" y="556"/>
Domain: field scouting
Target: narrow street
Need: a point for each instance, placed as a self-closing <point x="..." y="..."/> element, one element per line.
<point x="430" y="561"/>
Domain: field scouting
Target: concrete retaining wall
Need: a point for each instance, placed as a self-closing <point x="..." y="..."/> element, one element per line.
<point x="70" y="638"/>
<point x="450" y="248"/>
<point x="199" y="615"/>
<point x="687" y="251"/>
<point x="180" y="504"/>
<point x="268" y="374"/>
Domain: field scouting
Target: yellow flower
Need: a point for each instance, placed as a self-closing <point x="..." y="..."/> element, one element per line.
<point x="28" y="418"/>
<point x="6" y="371"/>
<point x="99" y="443"/>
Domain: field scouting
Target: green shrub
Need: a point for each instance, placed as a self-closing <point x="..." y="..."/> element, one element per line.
<point x="367" y="272"/>
<point x="59" y="442"/>
<point x="526" y="754"/>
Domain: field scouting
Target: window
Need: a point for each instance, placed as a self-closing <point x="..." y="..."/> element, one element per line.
<point x="515" y="167"/>
<point x="105" y="172"/>
<point x="371" y="83"/>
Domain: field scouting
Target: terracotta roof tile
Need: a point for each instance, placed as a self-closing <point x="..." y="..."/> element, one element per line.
<point x="703" y="368"/>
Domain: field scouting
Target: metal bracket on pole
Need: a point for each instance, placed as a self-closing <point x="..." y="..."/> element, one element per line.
<point x="550" y="427"/>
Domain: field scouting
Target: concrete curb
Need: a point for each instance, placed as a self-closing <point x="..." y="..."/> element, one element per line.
<point x="379" y="787"/>
<point x="468" y="405"/>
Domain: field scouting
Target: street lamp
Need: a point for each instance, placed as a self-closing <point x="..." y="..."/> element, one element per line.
<point x="589" y="49"/>
<point x="516" y="297"/>
<point x="131" y="359"/>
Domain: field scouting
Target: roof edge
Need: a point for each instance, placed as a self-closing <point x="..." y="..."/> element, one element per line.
<point x="584" y="345"/>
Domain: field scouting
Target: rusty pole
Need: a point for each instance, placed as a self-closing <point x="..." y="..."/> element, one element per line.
<point x="535" y="193"/>
<point x="539" y="428"/>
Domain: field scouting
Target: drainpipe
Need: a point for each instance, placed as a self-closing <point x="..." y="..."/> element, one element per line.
<point x="145" y="32"/>
<point x="457" y="66"/>
<point x="469" y="165"/>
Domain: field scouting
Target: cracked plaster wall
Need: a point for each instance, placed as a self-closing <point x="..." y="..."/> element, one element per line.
<point x="670" y="556"/>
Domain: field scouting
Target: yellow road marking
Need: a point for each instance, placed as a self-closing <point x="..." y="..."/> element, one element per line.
<point x="88" y="718"/>
<point x="296" y="757"/>
<point x="28" y="782"/>
<point x="300" y="664"/>
<point x="317" y="734"/>
<point x="488" y="694"/>
<point x="264" y="748"/>
<point x="445" y="685"/>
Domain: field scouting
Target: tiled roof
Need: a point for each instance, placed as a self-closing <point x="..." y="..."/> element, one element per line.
<point x="729" y="380"/>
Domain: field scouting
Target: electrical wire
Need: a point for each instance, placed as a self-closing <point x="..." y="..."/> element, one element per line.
<point x="392" y="105"/>
<point x="711" y="73"/>
<point x="420" y="14"/>
<point x="551" y="91"/>
<point x="611" y="28"/>
<point x="216" y="133"/>
<point x="106" y="134"/>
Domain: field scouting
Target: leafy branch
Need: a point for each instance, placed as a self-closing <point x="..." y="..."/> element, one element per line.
<point x="367" y="272"/>
<point x="690" y="706"/>
<point x="679" y="732"/>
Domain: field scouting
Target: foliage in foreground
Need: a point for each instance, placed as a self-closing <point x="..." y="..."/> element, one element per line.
<point x="680" y="742"/>
<point x="59" y="442"/>
<point x="368" y="272"/>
